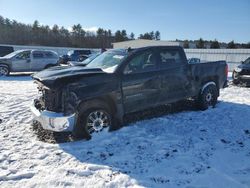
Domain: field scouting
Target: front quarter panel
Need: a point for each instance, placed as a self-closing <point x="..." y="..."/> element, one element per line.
<point x="99" y="86"/>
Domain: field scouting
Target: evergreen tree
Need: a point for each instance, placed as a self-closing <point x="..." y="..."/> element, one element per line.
<point x="157" y="35"/>
<point x="132" y="36"/>
<point x="200" y="43"/>
<point x="231" y="45"/>
<point x="215" y="44"/>
<point x="186" y="44"/>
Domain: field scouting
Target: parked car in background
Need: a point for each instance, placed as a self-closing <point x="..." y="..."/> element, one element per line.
<point x="194" y="60"/>
<point x="63" y="59"/>
<point x="87" y="100"/>
<point x="241" y="74"/>
<point x="27" y="61"/>
<point x="78" y="55"/>
<point x="4" y="50"/>
<point x="85" y="62"/>
<point x="75" y="56"/>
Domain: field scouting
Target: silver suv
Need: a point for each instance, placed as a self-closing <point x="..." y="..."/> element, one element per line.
<point x="27" y="61"/>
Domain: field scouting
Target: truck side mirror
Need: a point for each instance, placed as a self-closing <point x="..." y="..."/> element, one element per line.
<point x="28" y="60"/>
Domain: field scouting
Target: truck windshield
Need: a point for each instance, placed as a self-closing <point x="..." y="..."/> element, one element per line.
<point x="108" y="61"/>
<point x="247" y="61"/>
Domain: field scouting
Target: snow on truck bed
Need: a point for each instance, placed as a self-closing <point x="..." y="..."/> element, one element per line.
<point x="184" y="149"/>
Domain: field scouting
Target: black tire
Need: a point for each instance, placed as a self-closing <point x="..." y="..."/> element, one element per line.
<point x="82" y="128"/>
<point x="207" y="97"/>
<point x="4" y="70"/>
<point x="235" y="77"/>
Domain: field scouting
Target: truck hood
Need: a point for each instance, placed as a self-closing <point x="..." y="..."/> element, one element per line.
<point x="244" y="66"/>
<point x="51" y="76"/>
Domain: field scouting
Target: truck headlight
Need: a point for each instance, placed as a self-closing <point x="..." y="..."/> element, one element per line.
<point x="237" y="69"/>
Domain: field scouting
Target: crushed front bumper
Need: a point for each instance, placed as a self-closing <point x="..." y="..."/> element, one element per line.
<point x="53" y="121"/>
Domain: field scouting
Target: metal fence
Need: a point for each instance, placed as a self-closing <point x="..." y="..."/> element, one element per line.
<point x="232" y="56"/>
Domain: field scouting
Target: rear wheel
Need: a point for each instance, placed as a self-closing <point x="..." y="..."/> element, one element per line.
<point x="208" y="97"/>
<point x="93" y="119"/>
<point x="4" y="70"/>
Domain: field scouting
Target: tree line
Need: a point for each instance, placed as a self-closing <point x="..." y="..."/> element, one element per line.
<point x="16" y="33"/>
<point x="214" y="44"/>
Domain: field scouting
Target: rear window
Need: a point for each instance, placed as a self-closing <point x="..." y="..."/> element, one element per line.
<point x="48" y="54"/>
<point x="37" y="55"/>
<point x="169" y="57"/>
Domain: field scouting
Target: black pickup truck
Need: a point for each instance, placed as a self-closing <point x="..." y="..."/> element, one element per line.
<point x="88" y="100"/>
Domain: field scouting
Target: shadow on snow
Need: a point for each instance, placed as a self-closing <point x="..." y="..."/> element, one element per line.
<point x="142" y="149"/>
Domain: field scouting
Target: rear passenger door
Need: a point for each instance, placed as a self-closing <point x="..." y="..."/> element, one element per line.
<point x="38" y="59"/>
<point x="140" y="82"/>
<point x="174" y="69"/>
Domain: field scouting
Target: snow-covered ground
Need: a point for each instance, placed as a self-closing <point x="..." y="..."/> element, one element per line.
<point x="184" y="149"/>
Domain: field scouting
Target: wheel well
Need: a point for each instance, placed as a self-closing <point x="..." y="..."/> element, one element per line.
<point x="2" y="64"/>
<point x="211" y="81"/>
<point x="104" y="99"/>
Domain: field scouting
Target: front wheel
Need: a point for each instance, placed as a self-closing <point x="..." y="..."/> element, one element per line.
<point x="4" y="70"/>
<point x="93" y="120"/>
<point x="208" y="97"/>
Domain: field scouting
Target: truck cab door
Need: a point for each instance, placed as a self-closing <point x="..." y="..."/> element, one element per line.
<point x="21" y="62"/>
<point x="140" y="82"/>
<point x="175" y="83"/>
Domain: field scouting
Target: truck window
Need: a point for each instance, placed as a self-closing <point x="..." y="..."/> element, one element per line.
<point x="169" y="57"/>
<point x="141" y="63"/>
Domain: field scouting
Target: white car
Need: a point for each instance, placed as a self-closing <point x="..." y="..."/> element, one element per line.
<point x="27" y="61"/>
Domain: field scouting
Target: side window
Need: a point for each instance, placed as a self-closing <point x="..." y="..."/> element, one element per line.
<point x="143" y="62"/>
<point x="23" y="55"/>
<point x="37" y="55"/>
<point x="48" y="55"/>
<point x="169" y="57"/>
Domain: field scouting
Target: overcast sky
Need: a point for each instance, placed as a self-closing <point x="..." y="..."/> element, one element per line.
<point x="224" y="20"/>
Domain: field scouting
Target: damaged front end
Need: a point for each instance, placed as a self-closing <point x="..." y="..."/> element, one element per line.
<point x="58" y="87"/>
<point x="50" y="110"/>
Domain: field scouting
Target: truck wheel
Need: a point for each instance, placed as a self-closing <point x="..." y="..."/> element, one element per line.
<point x="94" y="119"/>
<point x="208" y="97"/>
<point x="235" y="77"/>
<point x="4" y="70"/>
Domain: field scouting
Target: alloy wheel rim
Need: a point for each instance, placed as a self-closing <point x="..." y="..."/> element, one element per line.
<point x="97" y="121"/>
<point x="3" y="71"/>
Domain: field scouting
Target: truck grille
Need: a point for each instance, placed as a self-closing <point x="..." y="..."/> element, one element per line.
<point x="50" y="98"/>
<point x="245" y="72"/>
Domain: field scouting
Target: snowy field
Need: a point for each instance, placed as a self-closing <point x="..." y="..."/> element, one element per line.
<point x="184" y="149"/>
